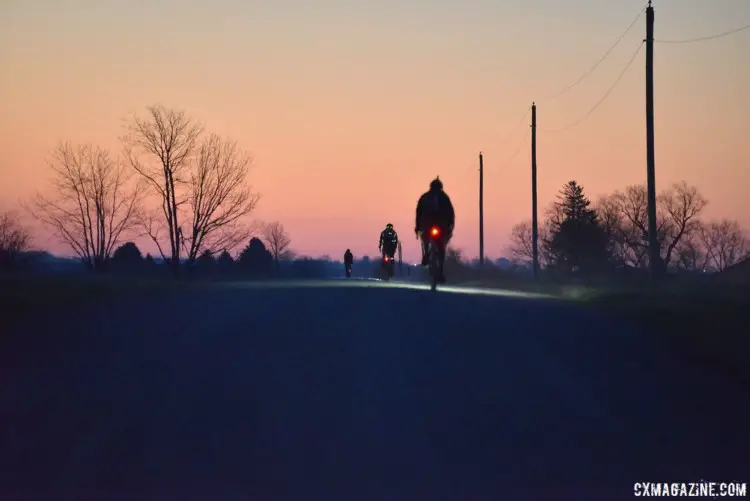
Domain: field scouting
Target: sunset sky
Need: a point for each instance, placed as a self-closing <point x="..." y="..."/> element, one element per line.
<point x="351" y="107"/>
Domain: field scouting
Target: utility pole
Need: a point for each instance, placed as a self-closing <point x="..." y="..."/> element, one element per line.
<point x="481" y="210"/>
<point x="400" y="265"/>
<point x="653" y="242"/>
<point x="534" y="218"/>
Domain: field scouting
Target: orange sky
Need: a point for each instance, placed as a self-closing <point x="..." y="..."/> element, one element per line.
<point x="351" y="107"/>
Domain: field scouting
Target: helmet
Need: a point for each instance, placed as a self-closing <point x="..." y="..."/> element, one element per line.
<point x="436" y="184"/>
<point x="389" y="226"/>
<point x="348" y="251"/>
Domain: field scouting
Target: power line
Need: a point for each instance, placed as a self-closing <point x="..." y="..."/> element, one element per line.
<point x="606" y="94"/>
<point x="461" y="181"/>
<point x="518" y="150"/>
<point x="512" y="132"/>
<point x="473" y="165"/>
<point x="601" y="60"/>
<point x="518" y="125"/>
<point x="709" y="37"/>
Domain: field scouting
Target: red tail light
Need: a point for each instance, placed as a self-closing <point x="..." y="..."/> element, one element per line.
<point x="434" y="231"/>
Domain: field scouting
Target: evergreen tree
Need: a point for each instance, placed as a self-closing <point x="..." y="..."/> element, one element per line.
<point x="255" y="259"/>
<point x="224" y="263"/>
<point x="577" y="243"/>
<point x="206" y="263"/>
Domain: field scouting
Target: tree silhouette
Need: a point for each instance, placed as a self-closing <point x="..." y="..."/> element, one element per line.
<point x="91" y="205"/>
<point x="681" y="205"/>
<point x="126" y="257"/>
<point x="205" y="262"/>
<point x="625" y="215"/>
<point x="219" y="198"/>
<point x="521" y="243"/>
<point x="255" y="258"/>
<point x="14" y="240"/>
<point x="578" y="241"/>
<point x="724" y="243"/>
<point x="277" y="240"/>
<point x="225" y="263"/>
<point x="160" y="149"/>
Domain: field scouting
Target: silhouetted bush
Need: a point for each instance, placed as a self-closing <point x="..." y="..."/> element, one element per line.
<point x="127" y="258"/>
<point x="204" y="266"/>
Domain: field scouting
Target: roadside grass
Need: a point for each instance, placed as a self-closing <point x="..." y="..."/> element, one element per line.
<point x="706" y="322"/>
<point x="23" y="295"/>
<point x="33" y="295"/>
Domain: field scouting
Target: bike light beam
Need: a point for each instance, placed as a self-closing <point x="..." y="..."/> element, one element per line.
<point x="372" y="282"/>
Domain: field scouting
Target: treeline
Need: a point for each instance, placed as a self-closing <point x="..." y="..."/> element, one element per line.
<point x="577" y="237"/>
<point x="254" y="261"/>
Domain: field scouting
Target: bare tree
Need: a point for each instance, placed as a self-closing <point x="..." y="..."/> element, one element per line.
<point x="521" y="242"/>
<point x="553" y="216"/>
<point x="219" y="198"/>
<point x="92" y="204"/>
<point x="520" y="248"/>
<point x="631" y="209"/>
<point x="160" y="148"/>
<point x="690" y="252"/>
<point x="678" y="208"/>
<point x="725" y="243"/>
<point x="277" y="240"/>
<point x="14" y="239"/>
<point x="611" y="219"/>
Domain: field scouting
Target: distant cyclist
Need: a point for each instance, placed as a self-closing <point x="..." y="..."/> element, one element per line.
<point x="388" y="241"/>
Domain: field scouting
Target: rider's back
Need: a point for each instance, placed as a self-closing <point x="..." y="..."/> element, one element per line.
<point x="435" y="207"/>
<point x="388" y="236"/>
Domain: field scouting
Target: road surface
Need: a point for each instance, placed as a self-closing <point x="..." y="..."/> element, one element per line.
<point x="354" y="391"/>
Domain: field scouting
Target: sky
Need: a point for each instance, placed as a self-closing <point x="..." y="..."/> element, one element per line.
<point x="349" y="108"/>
